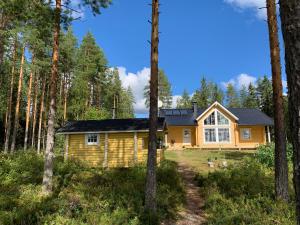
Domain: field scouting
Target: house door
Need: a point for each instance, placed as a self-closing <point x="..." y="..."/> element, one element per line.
<point x="187" y="136"/>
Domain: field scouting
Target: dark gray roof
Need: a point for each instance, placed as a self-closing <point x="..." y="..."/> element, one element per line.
<point x="249" y="116"/>
<point x="185" y="117"/>
<point x="108" y="125"/>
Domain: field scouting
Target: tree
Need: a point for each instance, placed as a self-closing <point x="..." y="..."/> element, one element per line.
<point x="243" y="96"/>
<point x="9" y="100"/>
<point x="48" y="167"/>
<point x="251" y="98"/>
<point x="265" y="95"/>
<point x="150" y="190"/>
<point x="201" y="96"/>
<point x="89" y="79"/>
<point x="215" y="93"/>
<point x="281" y="167"/>
<point x="290" y="21"/>
<point x="67" y="64"/>
<point x="17" y="111"/>
<point x="31" y="77"/>
<point x="164" y="91"/>
<point x="184" y="101"/>
<point x="232" y="98"/>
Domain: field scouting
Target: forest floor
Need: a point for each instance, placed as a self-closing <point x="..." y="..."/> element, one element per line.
<point x="192" y="213"/>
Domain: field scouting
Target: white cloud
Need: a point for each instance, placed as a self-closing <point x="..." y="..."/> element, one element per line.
<point x="256" y="5"/>
<point x="137" y="82"/>
<point x="240" y="80"/>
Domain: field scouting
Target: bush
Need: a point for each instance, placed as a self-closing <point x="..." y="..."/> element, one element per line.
<point x="266" y="154"/>
<point x="82" y="195"/>
<point x="243" y="194"/>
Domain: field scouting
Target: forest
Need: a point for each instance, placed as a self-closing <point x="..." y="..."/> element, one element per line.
<point x="49" y="77"/>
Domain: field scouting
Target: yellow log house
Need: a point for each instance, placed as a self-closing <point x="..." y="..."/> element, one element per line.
<point x="110" y="143"/>
<point x="216" y="127"/>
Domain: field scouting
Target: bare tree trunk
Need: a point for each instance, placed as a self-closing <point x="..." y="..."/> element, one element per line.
<point x="9" y="100"/>
<point x="49" y="155"/>
<point x="41" y="116"/>
<point x="281" y="166"/>
<point x="16" y="122"/>
<point x="150" y="192"/>
<point x="46" y="106"/>
<point x="65" y="97"/>
<point x="28" y="104"/>
<point x="290" y="20"/>
<point x="34" y="112"/>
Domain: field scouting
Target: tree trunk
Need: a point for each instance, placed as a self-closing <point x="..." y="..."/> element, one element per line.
<point x="9" y="100"/>
<point x="28" y="104"/>
<point x="16" y="122"/>
<point x="65" y="97"/>
<point x="34" y="112"/>
<point x="150" y="192"/>
<point x="49" y="155"/>
<point x="290" y="20"/>
<point x="281" y="167"/>
<point x="41" y="116"/>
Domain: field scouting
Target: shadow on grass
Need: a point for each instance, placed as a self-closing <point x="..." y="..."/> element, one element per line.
<point x="237" y="155"/>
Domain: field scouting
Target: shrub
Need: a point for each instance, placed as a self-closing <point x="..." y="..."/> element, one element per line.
<point x="266" y="154"/>
<point x="243" y="194"/>
<point x="82" y="195"/>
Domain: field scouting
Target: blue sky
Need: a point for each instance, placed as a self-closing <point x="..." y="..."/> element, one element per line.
<point x="222" y="40"/>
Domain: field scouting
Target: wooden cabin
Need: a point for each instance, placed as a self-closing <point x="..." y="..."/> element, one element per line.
<point x="110" y="143"/>
<point x="216" y="127"/>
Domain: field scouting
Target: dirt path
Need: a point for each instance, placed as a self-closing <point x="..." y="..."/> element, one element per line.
<point x="192" y="213"/>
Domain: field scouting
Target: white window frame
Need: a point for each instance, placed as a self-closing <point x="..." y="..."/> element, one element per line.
<point x="216" y="127"/>
<point x="242" y="134"/>
<point x="92" y="143"/>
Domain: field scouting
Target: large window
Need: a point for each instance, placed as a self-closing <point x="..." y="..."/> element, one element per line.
<point x="216" y="128"/>
<point x="92" y="139"/>
<point x="210" y="135"/>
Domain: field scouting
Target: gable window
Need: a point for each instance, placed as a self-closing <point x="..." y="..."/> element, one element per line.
<point x="92" y="139"/>
<point x="246" y="133"/>
<point x="216" y="128"/>
<point x="222" y="120"/>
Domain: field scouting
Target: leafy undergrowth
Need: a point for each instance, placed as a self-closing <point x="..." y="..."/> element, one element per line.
<point x="244" y="194"/>
<point x="82" y="195"/>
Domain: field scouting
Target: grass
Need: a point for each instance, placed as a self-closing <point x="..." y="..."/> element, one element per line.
<point x="82" y="195"/>
<point x="198" y="159"/>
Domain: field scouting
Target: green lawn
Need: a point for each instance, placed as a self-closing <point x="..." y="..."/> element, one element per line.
<point x="198" y="158"/>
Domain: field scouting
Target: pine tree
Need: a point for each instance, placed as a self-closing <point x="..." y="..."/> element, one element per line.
<point x="281" y="165"/>
<point x="243" y="96"/>
<point x="232" y="99"/>
<point x="251" y="99"/>
<point x="164" y="91"/>
<point x="201" y="96"/>
<point x="150" y="189"/>
<point x="48" y="167"/>
<point x="87" y="86"/>
<point x="18" y="102"/>
<point x="215" y="93"/>
<point x="184" y="101"/>
<point x="265" y="95"/>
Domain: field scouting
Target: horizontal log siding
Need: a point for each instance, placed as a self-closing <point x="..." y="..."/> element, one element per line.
<point x="91" y="154"/>
<point x="120" y="149"/>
